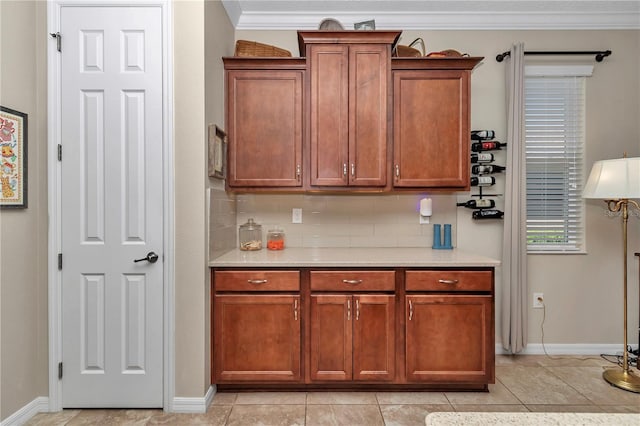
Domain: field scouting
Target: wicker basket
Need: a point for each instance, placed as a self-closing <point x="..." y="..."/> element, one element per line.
<point x="253" y="48"/>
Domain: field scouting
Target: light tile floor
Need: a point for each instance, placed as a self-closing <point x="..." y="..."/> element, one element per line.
<point x="525" y="383"/>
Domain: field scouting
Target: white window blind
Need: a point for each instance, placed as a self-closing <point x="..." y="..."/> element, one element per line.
<point x="554" y="145"/>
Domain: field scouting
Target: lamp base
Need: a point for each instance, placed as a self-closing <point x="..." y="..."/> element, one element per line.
<point x="622" y="379"/>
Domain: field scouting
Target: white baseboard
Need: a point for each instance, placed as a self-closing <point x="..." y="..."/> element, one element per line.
<point x="23" y="415"/>
<point x="566" y="349"/>
<point x="193" y="405"/>
<point x="41" y="405"/>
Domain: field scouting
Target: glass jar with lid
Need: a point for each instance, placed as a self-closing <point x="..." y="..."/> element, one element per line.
<point x="275" y="239"/>
<point x="250" y="236"/>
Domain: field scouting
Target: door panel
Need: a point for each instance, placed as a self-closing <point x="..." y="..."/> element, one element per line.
<point x="329" y="75"/>
<point x="331" y="337"/>
<point x="257" y="338"/>
<point x="431" y="128"/>
<point x="374" y="337"/>
<point x="265" y="127"/>
<point x="369" y="74"/>
<point x="111" y="186"/>
<point x="435" y="354"/>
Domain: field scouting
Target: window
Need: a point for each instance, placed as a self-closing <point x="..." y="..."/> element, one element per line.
<point x="554" y="145"/>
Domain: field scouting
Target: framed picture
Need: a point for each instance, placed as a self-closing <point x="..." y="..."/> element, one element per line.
<point x="365" y="25"/>
<point x="217" y="152"/>
<point x="13" y="158"/>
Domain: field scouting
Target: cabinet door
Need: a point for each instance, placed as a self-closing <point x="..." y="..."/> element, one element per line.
<point x="349" y="114"/>
<point x="431" y="128"/>
<point x="369" y="71"/>
<point x="257" y="338"/>
<point x="374" y="337"/>
<point x="264" y="125"/>
<point x="449" y="339"/>
<point x="331" y="337"/>
<point x="329" y="114"/>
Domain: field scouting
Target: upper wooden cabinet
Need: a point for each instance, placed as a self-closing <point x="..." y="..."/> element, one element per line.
<point x="349" y="86"/>
<point x="346" y="115"/>
<point x="264" y="106"/>
<point x="431" y="122"/>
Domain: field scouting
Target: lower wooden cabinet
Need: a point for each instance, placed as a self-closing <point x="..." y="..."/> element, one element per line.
<point x="256" y="338"/>
<point x="449" y="339"/>
<point x="352" y="337"/>
<point x="384" y="329"/>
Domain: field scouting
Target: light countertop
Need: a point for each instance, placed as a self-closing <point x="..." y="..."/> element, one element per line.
<point x="352" y="257"/>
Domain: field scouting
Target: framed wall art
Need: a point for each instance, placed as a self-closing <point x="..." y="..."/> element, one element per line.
<point x="217" y="152"/>
<point x="13" y="158"/>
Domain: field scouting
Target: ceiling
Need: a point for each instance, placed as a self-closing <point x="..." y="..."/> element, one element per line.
<point x="436" y="14"/>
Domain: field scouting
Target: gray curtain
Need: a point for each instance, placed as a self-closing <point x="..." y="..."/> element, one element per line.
<point x="514" y="250"/>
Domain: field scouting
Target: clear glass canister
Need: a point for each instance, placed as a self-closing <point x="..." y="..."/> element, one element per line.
<point x="250" y="236"/>
<point x="275" y="239"/>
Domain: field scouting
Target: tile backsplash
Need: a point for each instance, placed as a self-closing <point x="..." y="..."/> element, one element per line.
<point x="389" y="220"/>
<point x="222" y="222"/>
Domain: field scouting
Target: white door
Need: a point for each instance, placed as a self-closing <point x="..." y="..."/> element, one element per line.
<point x="111" y="184"/>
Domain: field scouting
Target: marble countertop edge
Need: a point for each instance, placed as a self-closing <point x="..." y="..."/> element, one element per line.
<point x="353" y="257"/>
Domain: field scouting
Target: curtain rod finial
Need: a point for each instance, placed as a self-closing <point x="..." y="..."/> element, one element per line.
<point x="601" y="55"/>
<point x="500" y="57"/>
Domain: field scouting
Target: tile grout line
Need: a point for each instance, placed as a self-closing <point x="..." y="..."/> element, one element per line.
<point x="568" y="384"/>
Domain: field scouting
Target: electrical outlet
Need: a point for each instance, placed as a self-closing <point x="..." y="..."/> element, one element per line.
<point x="538" y="300"/>
<point x="296" y="216"/>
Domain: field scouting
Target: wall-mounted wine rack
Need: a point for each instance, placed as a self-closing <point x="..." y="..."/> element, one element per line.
<point x="483" y="174"/>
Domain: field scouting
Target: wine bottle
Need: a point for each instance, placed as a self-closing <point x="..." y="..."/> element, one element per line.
<point x="482" y="135"/>
<point x="483" y="169"/>
<point x="482" y="157"/>
<point x="486" y="146"/>
<point x="483" y="181"/>
<point x="487" y="214"/>
<point x="480" y="203"/>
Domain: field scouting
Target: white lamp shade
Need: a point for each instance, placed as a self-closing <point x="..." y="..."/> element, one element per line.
<point x="614" y="179"/>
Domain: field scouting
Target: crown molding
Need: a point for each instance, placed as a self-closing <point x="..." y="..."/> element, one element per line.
<point x="574" y="20"/>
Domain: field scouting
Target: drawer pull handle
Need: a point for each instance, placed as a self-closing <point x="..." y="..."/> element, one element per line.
<point x="352" y="281"/>
<point x="257" y="281"/>
<point x="295" y="309"/>
<point x="349" y="310"/>
<point x="448" y="281"/>
<point x="410" y="310"/>
<point x="357" y="309"/>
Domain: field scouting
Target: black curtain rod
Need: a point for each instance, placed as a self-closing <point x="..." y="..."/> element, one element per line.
<point x="600" y="54"/>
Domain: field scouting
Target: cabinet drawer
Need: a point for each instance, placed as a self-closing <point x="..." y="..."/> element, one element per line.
<point x="353" y="280"/>
<point x="445" y="280"/>
<point x="257" y="280"/>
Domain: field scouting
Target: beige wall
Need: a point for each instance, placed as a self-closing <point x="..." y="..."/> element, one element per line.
<point x="190" y="207"/>
<point x="583" y="293"/>
<point x="23" y="232"/>
<point x="221" y="225"/>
